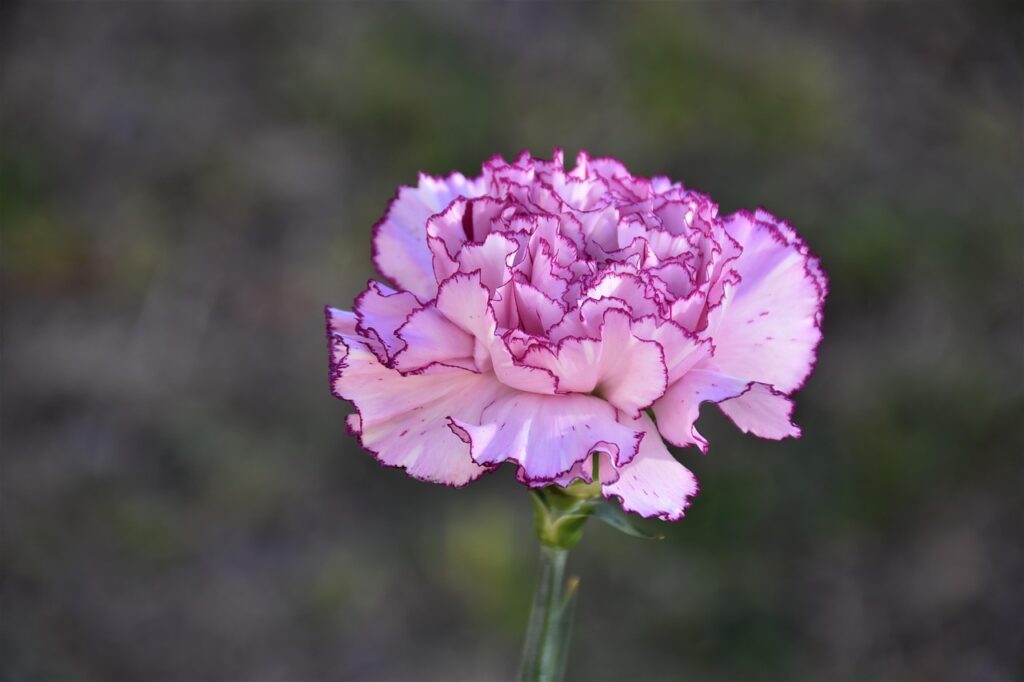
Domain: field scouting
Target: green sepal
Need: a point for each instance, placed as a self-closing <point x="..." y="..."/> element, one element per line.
<point x="559" y="518"/>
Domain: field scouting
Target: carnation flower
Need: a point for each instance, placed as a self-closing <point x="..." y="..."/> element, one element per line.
<point x="560" y="319"/>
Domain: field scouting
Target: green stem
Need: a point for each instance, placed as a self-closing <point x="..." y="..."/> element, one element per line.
<point x="559" y="517"/>
<point x="547" y="635"/>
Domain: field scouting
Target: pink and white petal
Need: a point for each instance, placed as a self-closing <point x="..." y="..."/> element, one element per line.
<point x="535" y="311"/>
<point x="581" y="471"/>
<point x="519" y="342"/>
<point x="581" y="193"/>
<point x="665" y="246"/>
<point x="766" y="328"/>
<point x="634" y="254"/>
<point x="813" y="264"/>
<point x="586" y="320"/>
<point x="652" y="484"/>
<point x="464" y="220"/>
<point x="675" y="278"/>
<point x="630" y="228"/>
<point x="575" y="363"/>
<point x="464" y="300"/>
<point x="480" y="216"/>
<point x="345" y="323"/>
<point x="444" y="265"/>
<point x="570" y="325"/>
<point x="683" y="350"/>
<point x="678" y="409"/>
<point x="383" y="310"/>
<point x="403" y="420"/>
<point x="599" y="228"/>
<point x="399" y="242"/>
<point x="341" y="321"/>
<point x="628" y="288"/>
<point x="763" y="412"/>
<point x="429" y="337"/>
<point x="625" y="370"/>
<point x="547" y="435"/>
<point x="451" y="227"/>
<point x="592" y="312"/>
<point x="504" y="306"/>
<point x="680" y="215"/>
<point x="543" y="274"/>
<point x="723" y="266"/>
<point x="517" y="374"/>
<point x="438" y="192"/>
<point x="661" y="184"/>
<point x="632" y="370"/>
<point x="493" y="259"/>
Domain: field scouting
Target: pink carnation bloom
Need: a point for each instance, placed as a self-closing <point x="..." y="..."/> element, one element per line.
<point x="543" y="316"/>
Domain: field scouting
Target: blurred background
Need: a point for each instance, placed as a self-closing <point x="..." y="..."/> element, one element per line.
<point x="184" y="185"/>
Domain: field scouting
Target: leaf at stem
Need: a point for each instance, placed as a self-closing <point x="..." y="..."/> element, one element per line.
<point x="617" y="519"/>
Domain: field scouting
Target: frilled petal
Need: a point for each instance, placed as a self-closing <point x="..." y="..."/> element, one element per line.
<point x="547" y="435"/>
<point x="678" y="409"/>
<point x="629" y="288"/>
<point x="535" y="311"/>
<point x="347" y="323"/>
<point x="624" y="369"/>
<point x="546" y="275"/>
<point x="518" y="374"/>
<point x="586" y="320"/>
<point x="492" y="258"/>
<point x="652" y="484"/>
<point x="340" y="321"/>
<point x="399" y="242"/>
<point x="762" y="411"/>
<point x="429" y="338"/>
<point x="766" y="327"/>
<point x="674" y="278"/>
<point x="682" y="349"/>
<point x="581" y="471"/>
<point x="381" y="311"/>
<point x="403" y="420"/>
<point x="465" y="301"/>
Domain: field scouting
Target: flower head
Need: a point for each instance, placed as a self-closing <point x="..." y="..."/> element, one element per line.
<point x="543" y="316"/>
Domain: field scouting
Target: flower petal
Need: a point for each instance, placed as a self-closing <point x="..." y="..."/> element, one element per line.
<point x="492" y="258"/>
<point x="429" y="337"/>
<point x="534" y="310"/>
<point x="652" y="484"/>
<point x="543" y="273"/>
<point x="518" y="374"/>
<point x="628" y="288"/>
<point x="340" y="321"/>
<point x="679" y="408"/>
<point x="625" y="370"/>
<point x="766" y="328"/>
<point x="762" y="411"/>
<point x="399" y="242"/>
<point x="464" y="300"/>
<point x="381" y="311"/>
<point x="547" y="435"/>
<point x="403" y="419"/>
<point x="682" y="349"/>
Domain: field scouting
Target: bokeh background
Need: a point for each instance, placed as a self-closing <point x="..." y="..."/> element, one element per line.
<point x="184" y="185"/>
